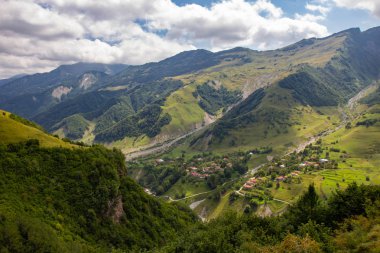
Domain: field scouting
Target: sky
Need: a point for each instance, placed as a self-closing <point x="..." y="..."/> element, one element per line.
<point x="39" y="35"/>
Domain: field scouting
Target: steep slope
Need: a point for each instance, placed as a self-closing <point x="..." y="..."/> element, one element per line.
<point x="241" y="70"/>
<point x="127" y="95"/>
<point x="14" y="129"/>
<point x="301" y="104"/>
<point x="115" y="111"/>
<point x="182" y="63"/>
<point x="74" y="200"/>
<point x="193" y="89"/>
<point x="34" y="84"/>
<point x="31" y="94"/>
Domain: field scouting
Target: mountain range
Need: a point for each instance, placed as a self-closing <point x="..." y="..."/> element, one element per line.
<point x="134" y="107"/>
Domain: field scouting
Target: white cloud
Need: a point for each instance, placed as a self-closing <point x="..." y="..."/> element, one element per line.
<point x="318" y="11"/>
<point x="318" y="8"/>
<point x="257" y="24"/>
<point x="36" y="35"/>
<point x="370" y="5"/>
<point x="27" y="18"/>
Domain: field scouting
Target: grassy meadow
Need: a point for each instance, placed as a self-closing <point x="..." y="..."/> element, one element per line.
<point x="21" y="132"/>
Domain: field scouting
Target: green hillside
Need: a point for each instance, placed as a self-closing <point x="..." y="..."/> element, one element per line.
<point x="57" y="197"/>
<point x="354" y="150"/>
<point x="305" y="84"/>
<point x="14" y="129"/>
<point x="347" y="222"/>
<point x="297" y="103"/>
<point x="109" y="107"/>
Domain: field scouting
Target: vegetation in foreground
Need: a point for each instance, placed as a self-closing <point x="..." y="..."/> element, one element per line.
<point x="347" y="222"/>
<point x="78" y="200"/>
<point x="62" y="200"/>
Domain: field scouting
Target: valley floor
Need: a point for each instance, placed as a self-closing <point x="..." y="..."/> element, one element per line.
<point x="349" y="153"/>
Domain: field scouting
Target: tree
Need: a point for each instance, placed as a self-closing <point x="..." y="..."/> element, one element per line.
<point x="227" y="173"/>
<point x="344" y="204"/>
<point x="308" y="207"/>
<point x="240" y="167"/>
<point x="212" y="181"/>
<point x="295" y="244"/>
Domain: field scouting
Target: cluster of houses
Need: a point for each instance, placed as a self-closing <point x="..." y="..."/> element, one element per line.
<point x="198" y="174"/>
<point x="205" y="171"/>
<point x="293" y="174"/>
<point x="313" y="164"/>
<point x="252" y="182"/>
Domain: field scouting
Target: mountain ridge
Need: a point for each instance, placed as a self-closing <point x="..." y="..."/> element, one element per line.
<point x="128" y="92"/>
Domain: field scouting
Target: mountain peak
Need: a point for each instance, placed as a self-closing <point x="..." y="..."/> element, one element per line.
<point x="82" y="67"/>
<point x="351" y="31"/>
<point x="189" y="55"/>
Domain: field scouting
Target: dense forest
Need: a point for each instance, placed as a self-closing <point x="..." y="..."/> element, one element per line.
<point x="238" y="116"/>
<point x="64" y="200"/>
<point x="131" y="111"/>
<point x="212" y="99"/>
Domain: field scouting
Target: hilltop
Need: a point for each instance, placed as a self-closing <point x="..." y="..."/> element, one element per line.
<point x="14" y="129"/>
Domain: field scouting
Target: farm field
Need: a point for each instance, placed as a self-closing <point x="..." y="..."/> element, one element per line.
<point x="357" y="151"/>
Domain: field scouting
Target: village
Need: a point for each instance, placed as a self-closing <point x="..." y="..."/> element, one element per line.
<point x="208" y="169"/>
<point x="211" y="171"/>
<point x="287" y="170"/>
<point x="293" y="174"/>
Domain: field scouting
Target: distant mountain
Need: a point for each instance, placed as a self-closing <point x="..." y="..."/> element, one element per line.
<point x="82" y="67"/>
<point x="182" y="63"/>
<point x="63" y="75"/>
<point x="4" y="81"/>
<point x="240" y="89"/>
<point x="30" y="94"/>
